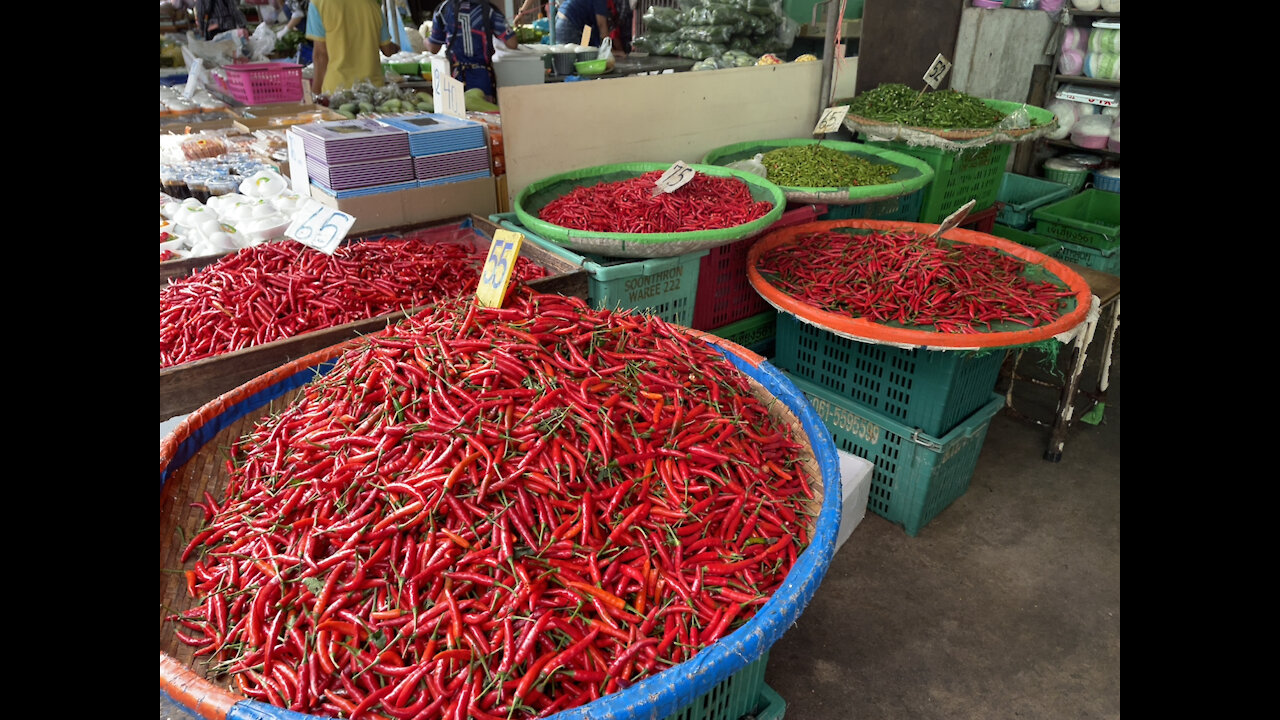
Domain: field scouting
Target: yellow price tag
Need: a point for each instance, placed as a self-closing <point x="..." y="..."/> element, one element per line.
<point x="503" y="252"/>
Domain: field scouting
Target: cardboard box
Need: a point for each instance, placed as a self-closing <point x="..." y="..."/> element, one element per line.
<point x="415" y="205"/>
<point x="855" y="490"/>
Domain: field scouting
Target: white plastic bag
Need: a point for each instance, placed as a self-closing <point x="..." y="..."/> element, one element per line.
<point x="262" y="42"/>
<point x="606" y="49"/>
<point x="754" y="165"/>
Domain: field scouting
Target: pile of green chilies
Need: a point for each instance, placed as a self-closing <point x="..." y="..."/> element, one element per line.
<point x="912" y="280"/>
<point x="895" y="103"/>
<point x="815" y="165"/>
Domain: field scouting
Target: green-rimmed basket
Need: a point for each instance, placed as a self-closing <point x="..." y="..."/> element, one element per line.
<point x="538" y="195"/>
<point x="913" y="174"/>
<point x="1042" y="123"/>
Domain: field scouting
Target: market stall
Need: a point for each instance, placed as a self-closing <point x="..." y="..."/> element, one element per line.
<point x="554" y="407"/>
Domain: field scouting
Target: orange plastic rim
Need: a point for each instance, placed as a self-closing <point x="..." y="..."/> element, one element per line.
<point x="866" y="331"/>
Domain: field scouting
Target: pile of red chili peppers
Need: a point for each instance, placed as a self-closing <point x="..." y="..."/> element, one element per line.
<point x="706" y="202"/>
<point x="911" y="279"/>
<point x="495" y="513"/>
<point x="279" y="290"/>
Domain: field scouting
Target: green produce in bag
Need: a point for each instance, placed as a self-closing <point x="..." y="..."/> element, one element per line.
<point x="661" y="19"/>
<point x="706" y="33"/>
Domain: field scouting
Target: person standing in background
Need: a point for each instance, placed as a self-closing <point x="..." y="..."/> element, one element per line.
<point x="466" y="29"/>
<point x="574" y="15"/>
<point x="347" y="36"/>
<point x="298" y="18"/>
<point x="217" y="16"/>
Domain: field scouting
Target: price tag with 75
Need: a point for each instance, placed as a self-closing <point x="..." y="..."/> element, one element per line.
<point x="319" y="226"/>
<point x="674" y="178"/>
<point x="503" y="253"/>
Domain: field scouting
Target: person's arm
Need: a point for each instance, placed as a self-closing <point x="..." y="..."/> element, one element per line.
<point x="320" y="50"/>
<point x="529" y="8"/>
<point x="387" y="47"/>
<point x="602" y="30"/>
<point x="435" y="40"/>
<point x="320" y="63"/>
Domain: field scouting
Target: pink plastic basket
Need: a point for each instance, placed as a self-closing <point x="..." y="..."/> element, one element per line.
<point x="255" y="83"/>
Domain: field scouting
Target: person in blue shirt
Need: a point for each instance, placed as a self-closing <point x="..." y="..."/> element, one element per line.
<point x="466" y="29"/>
<point x="573" y="15"/>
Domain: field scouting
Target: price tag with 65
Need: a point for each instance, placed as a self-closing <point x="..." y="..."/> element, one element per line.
<point x="674" y="178"/>
<point x="503" y="253"/>
<point x="831" y="119"/>
<point x="938" y="70"/>
<point x="319" y="226"/>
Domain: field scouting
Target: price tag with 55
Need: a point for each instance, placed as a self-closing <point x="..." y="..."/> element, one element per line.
<point x="503" y="253"/>
<point x="937" y="71"/>
<point x="319" y="226"/>
<point x="674" y="178"/>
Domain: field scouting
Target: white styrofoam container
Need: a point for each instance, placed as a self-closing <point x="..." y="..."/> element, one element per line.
<point x="855" y="488"/>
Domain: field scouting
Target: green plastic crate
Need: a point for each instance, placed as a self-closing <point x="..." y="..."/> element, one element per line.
<point x="739" y="694"/>
<point x="1107" y="261"/>
<point x="666" y="287"/>
<point x="756" y="333"/>
<point x="1091" y="218"/>
<point x="1039" y="243"/>
<point x="1020" y="195"/>
<point x="916" y="475"/>
<point x="772" y="706"/>
<point x="959" y="177"/>
<point x="932" y="390"/>
<point x="904" y="207"/>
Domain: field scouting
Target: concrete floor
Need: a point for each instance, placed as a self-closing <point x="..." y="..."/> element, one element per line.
<point x="1006" y="605"/>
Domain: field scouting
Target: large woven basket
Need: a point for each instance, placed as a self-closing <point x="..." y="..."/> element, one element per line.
<point x="192" y="461"/>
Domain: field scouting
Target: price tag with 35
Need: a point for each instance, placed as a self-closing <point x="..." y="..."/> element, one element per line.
<point x="831" y="119"/>
<point x="319" y="226"/>
<point x="676" y="177"/>
<point x="503" y="253"/>
<point x="937" y="71"/>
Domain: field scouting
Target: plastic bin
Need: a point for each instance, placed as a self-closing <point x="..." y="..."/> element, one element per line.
<point x="1091" y="218"/>
<point x="255" y="83"/>
<point x="1044" y="245"/>
<point x="1107" y="261"/>
<point x="933" y="390"/>
<point x="917" y="475"/>
<point x="904" y="207"/>
<point x="725" y="294"/>
<point x="757" y="333"/>
<point x="742" y="693"/>
<point x="1073" y="178"/>
<point x="981" y="221"/>
<point x="666" y="287"/>
<point x="1019" y="195"/>
<point x="958" y="176"/>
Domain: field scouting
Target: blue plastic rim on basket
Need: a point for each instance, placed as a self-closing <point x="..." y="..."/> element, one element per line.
<point x="666" y="692"/>
<point x="1106" y="182"/>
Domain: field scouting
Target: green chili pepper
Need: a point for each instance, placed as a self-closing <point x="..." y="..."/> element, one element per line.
<point x="819" y="166"/>
<point x="897" y="103"/>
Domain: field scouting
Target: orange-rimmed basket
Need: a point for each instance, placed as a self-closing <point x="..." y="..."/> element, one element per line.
<point x="864" y="330"/>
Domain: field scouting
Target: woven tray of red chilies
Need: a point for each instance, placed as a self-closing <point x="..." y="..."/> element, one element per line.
<point x="889" y="282"/>
<point x="612" y="210"/>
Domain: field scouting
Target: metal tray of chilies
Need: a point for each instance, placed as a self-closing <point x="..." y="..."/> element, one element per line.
<point x="186" y="387"/>
<point x="536" y="196"/>
<point x="913" y="173"/>
<point x="191" y="463"/>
